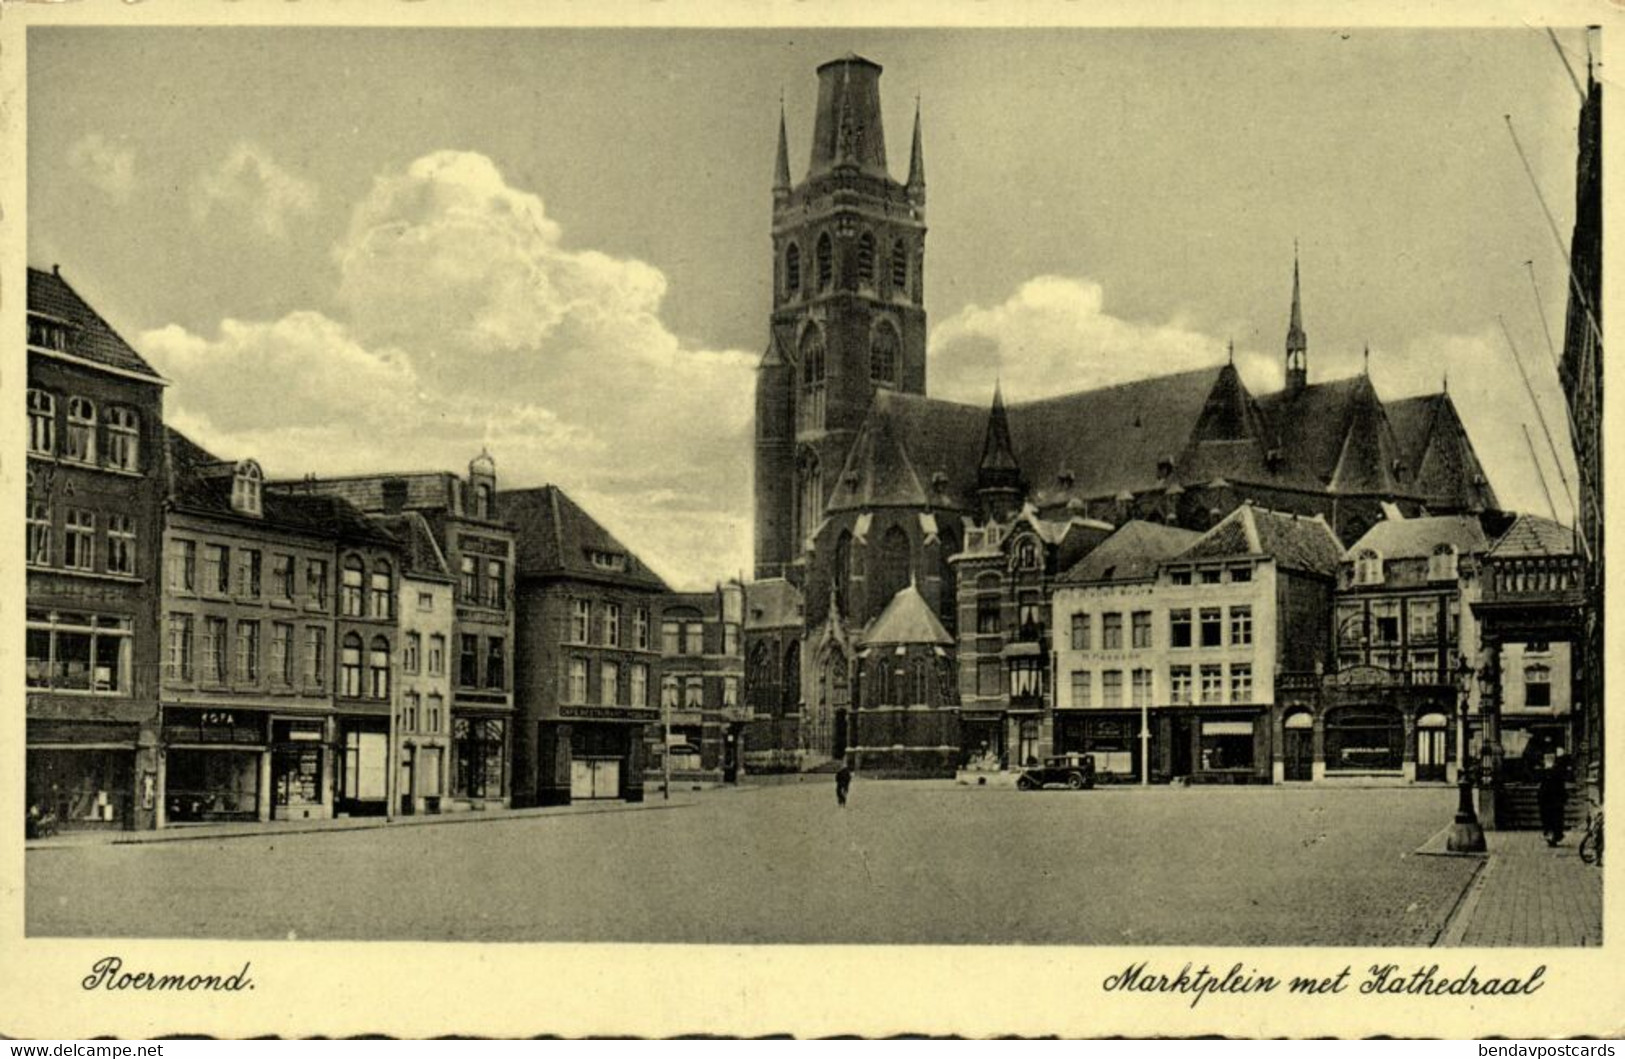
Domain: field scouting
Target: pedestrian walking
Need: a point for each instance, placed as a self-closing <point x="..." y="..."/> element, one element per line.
<point x="843" y="783"/>
<point x="1554" y="796"/>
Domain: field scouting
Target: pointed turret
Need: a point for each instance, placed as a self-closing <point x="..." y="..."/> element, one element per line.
<point x="998" y="476"/>
<point x="781" y="165"/>
<point x="916" y="162"/>
<point x="1297" y="343"/>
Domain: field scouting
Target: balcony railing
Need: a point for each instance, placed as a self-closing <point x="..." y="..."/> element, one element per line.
<point x="1553" y="578"/>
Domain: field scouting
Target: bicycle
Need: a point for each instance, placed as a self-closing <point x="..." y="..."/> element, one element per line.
<point x="1591" y="842"/>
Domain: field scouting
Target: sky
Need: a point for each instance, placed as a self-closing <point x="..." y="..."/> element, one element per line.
<point x="367" y="250"/>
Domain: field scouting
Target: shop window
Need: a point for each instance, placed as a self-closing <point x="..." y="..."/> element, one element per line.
<point x="609" y="683"/>
<point x="366" y="760"/>
<point x="123" y="439"/>
<point x="78" y="652"/>
<point x="214" y="650"/>
<point x="478" y="745"/>
<point x="1212" y="684"/>
<point x="315" y="656"/>
<point x="1179" y="628"/>
<point x="41" y="423"/>
<point x="1111" y="632"/>
<point x="1142" y="688"/>
<point x="80" y="443"/>
<point x="637" y="691"/>
<point x="1179" y="685"/>
<point x="79" y="540"/>
<point x="210" y="785"/>
<point x="1082" y="687"/>
<point x="178" y="662"/>
<point x="1142" y="629"/>
<point x="383" y="591"/>
<point x="350" y="667"/>
<point x="1364" y="738"/>
<point x="39" y="533"/>
<point x="352" y="600"/>
<point x="1212" y="627"/>
<point x="1111" y="689"/>
<point x="282" y="653"/>
<point x="1227" y="746"/>
<point x="1241" y="682"/>
<point x="1241" y="626"/>
<point x="1080" y="632"/>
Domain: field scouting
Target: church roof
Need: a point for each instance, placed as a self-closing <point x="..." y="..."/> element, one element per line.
<point x="1132" y="553"/>
<point x="1415" y="538"/>
<point x="555" y="537"/>
<point x="1293" y="541"/>
<point x="907" y="619"/>
<point x="772" y="603"/>
<point x="1534" y="535"/>
<point x="92" y="338"/>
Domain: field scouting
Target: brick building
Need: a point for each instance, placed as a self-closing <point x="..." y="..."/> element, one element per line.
<point x="586" y="655"/>
<point x="94" y="521"/>
<point x="702" y="668"/>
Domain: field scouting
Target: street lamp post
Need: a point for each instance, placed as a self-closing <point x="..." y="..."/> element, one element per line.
<point x="665" y="749"/>
<point x="1466" y="835"/>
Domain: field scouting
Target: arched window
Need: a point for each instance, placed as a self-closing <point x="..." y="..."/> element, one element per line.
<point x="81" y="439"/>
<point x="812" y="380"/>
<point x="351" y="603"/>
<point x="883" y="351"/>
<point x="826" y="262"/>
<point x="245" y="488"/>
<point x="842" y="573"/>
<point x="879" y="682"/>
<point x="350" y="667"/>
<point x="1367" y="567"/>
<point x="922" y="681"/>
<point x="378" y="669"/>
<point x="866" y="259"/>
<point x="123" y="439"/>
<point x="382" y="593"/>
<point x="792" y="270"/>
<point x="482" y="501"/>
<point x="892" y="566"/>
<point x="812" y="498"/>
<point x="1442" y="563"/>
<point x="790" y="696"/>
<point x="899" y="267"/>
<point x="41" y="422"/>
<point x="1027" y="555"/>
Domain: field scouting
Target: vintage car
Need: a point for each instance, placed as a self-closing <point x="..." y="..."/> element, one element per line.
<point x="1074" y="771"/>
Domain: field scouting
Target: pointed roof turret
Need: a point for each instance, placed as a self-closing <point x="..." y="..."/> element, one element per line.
<point x="916" y="159"/>
<point x="1297" y="343"/>
<point x="781" y="165"/>
<point x="998" y="454"/>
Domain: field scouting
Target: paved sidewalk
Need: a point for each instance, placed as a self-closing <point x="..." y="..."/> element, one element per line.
<point x="1529" y="895"/>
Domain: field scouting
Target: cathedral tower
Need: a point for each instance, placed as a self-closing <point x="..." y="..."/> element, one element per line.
<point x="848" y="306"/>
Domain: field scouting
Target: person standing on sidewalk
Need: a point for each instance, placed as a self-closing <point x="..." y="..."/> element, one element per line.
<point x="1554" y="796"/>
<point x="843" y="783"/>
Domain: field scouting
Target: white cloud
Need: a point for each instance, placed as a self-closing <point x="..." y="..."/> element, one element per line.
<point x="249" y="181"/>
<point x="465" y="321"/>
<point x="104" y="164"/>
<point x="1054" y="336"/>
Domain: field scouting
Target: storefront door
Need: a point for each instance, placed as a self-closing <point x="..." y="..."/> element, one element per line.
<point x="595" y="778"/>
<point x="1430" y="748"/>
<point x="1300" y="748"/>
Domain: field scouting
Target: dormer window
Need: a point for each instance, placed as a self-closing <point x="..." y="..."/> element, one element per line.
<point x="1367" y="567"/>
<point x="245" y="488"/>
<point x="607" y="560"/>
<point x="47" y="334"/>
<point x="1442" y="563"/>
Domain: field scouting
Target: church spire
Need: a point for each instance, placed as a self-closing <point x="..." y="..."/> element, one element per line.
<point x="998" y="477"/>
<point x="916" y="160"/>
<point x="781" y="165"/>
<point x="1297" y="343"/>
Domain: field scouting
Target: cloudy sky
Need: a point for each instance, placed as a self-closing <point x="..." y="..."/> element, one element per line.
<point x="360" y="250"/>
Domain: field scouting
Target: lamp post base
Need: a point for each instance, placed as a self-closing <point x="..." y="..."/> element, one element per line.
<point x="1466" y="835"/>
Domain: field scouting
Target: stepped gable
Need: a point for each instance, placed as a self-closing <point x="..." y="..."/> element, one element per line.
<point x="93" y="339"/>
<point x="1110" y="440"/>
<point x="907" y="619"/>
<point x="1132" y="553"/>
<point x="1534" y="536"/>
<point x="200" y="484"/>
<point x="554" y="536"/>
<point x="1295" y="542"/>
<point x="1415" y="538"/>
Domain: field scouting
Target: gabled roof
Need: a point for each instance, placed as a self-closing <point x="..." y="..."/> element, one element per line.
<point x="200" y="484"/>
<point x="420" y="554"/>
<point x="1533" y="535"/>
<point x="772" y="603"/>
<point x="554" y="536"/>
<point x="1132" y="553"/>
<point x="1293" y="541"/>
<point x="1415" y="538"/>
<point x="927" y="438"/>
<point x="93" y="339"/>
<point x="1444" y="469"/>
<point x="907" y="619"/>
